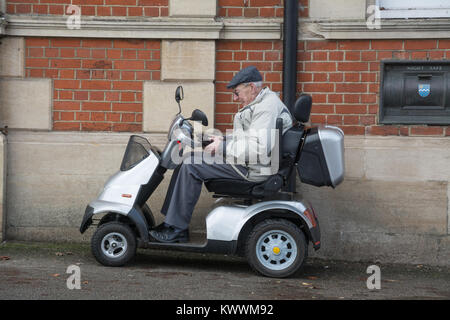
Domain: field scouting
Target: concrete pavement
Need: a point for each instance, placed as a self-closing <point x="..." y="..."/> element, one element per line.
<point x="30" y="270"/>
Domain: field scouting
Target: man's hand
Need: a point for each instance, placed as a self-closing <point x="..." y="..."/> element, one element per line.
<point x="213" y="147"/>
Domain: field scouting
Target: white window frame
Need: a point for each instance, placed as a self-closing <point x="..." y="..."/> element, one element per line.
<point x="413" y="9"/>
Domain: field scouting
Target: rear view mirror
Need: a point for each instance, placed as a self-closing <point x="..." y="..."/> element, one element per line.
<point x="179" y="94"/>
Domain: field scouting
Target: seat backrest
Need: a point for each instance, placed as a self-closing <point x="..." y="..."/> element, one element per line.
<point x="302" y="108"/>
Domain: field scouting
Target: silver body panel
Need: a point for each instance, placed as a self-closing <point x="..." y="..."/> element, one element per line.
<point x="225" y="222"/>
<point x="332" y="140"/>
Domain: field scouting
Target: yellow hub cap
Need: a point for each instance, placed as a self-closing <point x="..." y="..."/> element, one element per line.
<point x="276" y="250"/>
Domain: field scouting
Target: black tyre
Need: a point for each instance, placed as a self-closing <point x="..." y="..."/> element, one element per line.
<point x="276" y="248"/>
<point x="113" y="244"/>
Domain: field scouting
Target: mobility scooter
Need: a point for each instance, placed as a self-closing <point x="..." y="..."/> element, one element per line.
<point x="259" y="220"/>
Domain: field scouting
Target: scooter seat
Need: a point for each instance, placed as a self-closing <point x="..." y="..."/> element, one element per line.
<point x="244" y="188"/>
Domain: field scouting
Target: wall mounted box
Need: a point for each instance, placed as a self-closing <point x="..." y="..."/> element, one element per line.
<point x="415" y="92"/>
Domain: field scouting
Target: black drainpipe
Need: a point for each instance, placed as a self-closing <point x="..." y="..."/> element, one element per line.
<point x="290" y="26"/>
<point x="290" y="52"/>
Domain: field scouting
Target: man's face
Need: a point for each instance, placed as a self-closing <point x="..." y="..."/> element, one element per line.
<point x="244" y="93"/>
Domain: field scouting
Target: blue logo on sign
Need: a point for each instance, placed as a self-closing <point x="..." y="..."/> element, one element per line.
<point x="424" y="90"/>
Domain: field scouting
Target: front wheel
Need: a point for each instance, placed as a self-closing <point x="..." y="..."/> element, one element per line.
<point x="113" y="244"/>
<point x="276" y="248"/>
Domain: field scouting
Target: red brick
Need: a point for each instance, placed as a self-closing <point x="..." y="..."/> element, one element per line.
<point x="387" y="44"/>
<point x="351" y="87"/>
<point x="427" y="131"/>
<point x="36" y="63"/>
<point x="127" y="85"/>
<point x="354" y="45"/>
<point x="65" y="63"/>
<point x="96" y="126"/>
<point x="66" y="105"/>
<point x="96" y="84"/>
<point x="444" y="44"/>
<point x="265" y="3"/>
<point x="383" y="130"/>
<point x="420" y="44"/>
<point x="96" y="95"/>
<point x="127" y="107"/>
<point x="152" y="65"/>
<point x="128" y="117"/>
<point x="318" y="87"/>
<point x="322" y="108"/>
<point x="96" y="106"/>
<point x="66" y="84"/>
<point x="129" y="64"/>
<point x="126" y="127"/>
<point x="321" y="45"/>
<point x="257" y="45"/>
<point x="135" y="11"/>
<point x="67" y="53"/>
<point x="320" y="66"/>
<point x="67" y="116"/>
<point x="128" y="44"/>
<point x="98" y="116"/>
<point x="228" y="45"/>
<point x="65" y="42"/>
<point x="36" y="42"/>
<point x="96" y="64"/>
<point x="103" y="11"/>
<point x="353" y="66"/>
<point x="66" y="126"/>
<point x="353" y="130"/>
<point x="56" y="9"/>
<point x="351" y="109"/>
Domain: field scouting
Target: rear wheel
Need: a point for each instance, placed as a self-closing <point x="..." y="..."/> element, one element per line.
<point x="276" y="248"/>
<point x="113" y="244"/>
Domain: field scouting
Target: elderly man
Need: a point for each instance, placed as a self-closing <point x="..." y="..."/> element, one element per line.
<point x="251" y="136"/>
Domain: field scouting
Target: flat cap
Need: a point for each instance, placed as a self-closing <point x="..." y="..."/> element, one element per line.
<point x="249" y="74"/>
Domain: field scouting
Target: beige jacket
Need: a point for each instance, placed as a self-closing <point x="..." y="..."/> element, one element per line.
<point x="253" y="141"/>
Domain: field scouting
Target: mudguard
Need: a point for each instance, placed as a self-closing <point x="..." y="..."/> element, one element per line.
<point x="133" y="213"/>
<point x="225" y="223"/>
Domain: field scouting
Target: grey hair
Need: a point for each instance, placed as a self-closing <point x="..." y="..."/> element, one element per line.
<point x="258" y="84"/>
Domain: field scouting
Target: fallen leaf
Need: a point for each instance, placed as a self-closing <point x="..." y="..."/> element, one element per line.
<point x="59" y="254"/>
<point x="3" y="258"/>
<point x="85" y="282"/>
<point x="55" y="275"/>
<point x="312" y="278"/>
<point x="306" y="284"/>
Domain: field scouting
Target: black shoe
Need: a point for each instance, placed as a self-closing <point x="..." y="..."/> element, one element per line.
<point x="168" y="234"/>
<point x="159" y="227"/>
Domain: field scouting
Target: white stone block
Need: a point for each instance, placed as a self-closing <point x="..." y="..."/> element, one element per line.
<point x="188" y="60"/>
<point x="192" y="8"/>
<point x="12" y="52"/>
<point x="2" y="186"/>
<point x="337" y="9"/>
<point x="160" y="106"/>
<point x="26" y="103"/>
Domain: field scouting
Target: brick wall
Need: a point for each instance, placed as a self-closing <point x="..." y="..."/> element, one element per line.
<point x="97" y="83"/>
<point x="231" y="56"/>
<point x="132" y="8"/>
<point x="342" y="77"/>
<point x="257" y="8"/>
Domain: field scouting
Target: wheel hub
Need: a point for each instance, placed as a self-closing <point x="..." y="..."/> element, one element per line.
<point x="276" y="250"/>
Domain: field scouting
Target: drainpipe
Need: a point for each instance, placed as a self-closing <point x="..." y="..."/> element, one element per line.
<point x="290" y="52"/>
<point x="290" y="26"/>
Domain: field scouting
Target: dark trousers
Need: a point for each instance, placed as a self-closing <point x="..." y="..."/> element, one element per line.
<point x="186" y="185"/>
